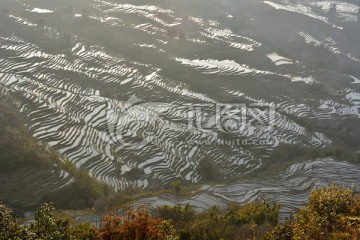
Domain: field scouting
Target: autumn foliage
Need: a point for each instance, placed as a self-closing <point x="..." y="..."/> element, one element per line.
<point x="333" y="213"/>
<point x="136" y="225"/>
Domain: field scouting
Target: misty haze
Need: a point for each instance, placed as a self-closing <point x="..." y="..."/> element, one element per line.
<point x="201" y="103"/>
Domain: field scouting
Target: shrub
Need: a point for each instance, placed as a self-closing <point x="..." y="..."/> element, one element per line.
<point x="47" y="227"/>
<point x="280" y="232"/>
<point x="136" y="225"/>
<point x="176" y="186"/>
<point x="179" y="215"/>
<point x="332" y="213"/>
<point x="10" y="228"/>
<point x="206" y="169"/>
<point x="85" y="231"/>
<point x="236" y="222"/>
<point x="256" y="212"/>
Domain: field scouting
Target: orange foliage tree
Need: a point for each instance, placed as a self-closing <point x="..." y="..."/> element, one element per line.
<point x="136" y="225"/>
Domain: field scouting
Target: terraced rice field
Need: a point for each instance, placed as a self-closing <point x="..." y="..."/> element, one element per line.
<point x="290" y="188"/>
<point x="112" y="85"/>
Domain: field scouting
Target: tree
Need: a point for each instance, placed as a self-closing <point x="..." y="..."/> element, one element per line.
<point x="176" y="186"/>
<point x="84" y="231"/>
<point x="180" y="216"/>
<point x="281" y="232"/>
<point x="332" y="213"/>
<point x="256" y="212"/>
<point x="10" y="227"/>
<point x="235" y="222"/>
<point x="136" y="225"/>
<point x="206" y="169"/>
<point x="47" y="227"/>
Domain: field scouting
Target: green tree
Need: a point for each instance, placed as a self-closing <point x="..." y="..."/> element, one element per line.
<point x="48" y="227"/>
<point x="256" y="212"/>
<point x="10" y="227"/>
<point x="332" y="213"/>
<point x="176" y="186"/>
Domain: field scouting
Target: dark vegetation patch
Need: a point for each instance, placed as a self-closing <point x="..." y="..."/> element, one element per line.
<point x="331" y="213"/>
<point x="19" y="150"/>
